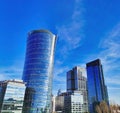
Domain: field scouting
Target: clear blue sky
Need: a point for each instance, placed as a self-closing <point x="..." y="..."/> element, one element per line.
<point x="87" y="30"/>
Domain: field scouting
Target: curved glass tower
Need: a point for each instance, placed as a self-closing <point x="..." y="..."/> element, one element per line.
<point x="38" y="71"/>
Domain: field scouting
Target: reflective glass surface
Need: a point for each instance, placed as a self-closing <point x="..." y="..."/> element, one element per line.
<point x="38" y="72"/>
<point x="96" y="85"/>
<point x="13" y="98"/>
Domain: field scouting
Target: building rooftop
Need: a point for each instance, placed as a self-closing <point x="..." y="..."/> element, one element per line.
<point x="13" y="80"/>
<point x="94" y="63"/>
<point x="39" y="31"/>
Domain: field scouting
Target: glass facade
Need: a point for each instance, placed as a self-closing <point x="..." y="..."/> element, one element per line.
<point x="76" y="81"/>
<point x="38" y="71"/>
<point x="11" y="96"/>
<point x="96" y="85"/>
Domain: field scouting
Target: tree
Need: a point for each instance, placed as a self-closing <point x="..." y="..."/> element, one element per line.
<point x="97" y="109"/>
<point x="102" y="107"/>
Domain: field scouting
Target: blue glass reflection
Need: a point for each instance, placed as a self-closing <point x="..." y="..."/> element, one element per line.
<point x="38" y="71"/>
<point x="96" y="84"/>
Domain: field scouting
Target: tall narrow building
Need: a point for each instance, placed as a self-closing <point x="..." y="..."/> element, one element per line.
<point x="38" y="71"/>
<point x="97" y="90"/>
<point x="76" y="81"/>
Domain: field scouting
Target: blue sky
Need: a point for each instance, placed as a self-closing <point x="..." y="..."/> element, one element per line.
<point x="86" y="29"/>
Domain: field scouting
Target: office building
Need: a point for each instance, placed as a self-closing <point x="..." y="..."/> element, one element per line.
<point x="59" y="103"/>
<point x="74" y="103"/>
<point x="12" y="96"/>
<point x="69" y="102"/>
<point x="97" y="90"/>
<point x="38" y="71"/>
<point x="77" y="81"/>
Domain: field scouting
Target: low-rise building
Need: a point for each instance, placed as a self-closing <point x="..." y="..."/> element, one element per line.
<point x="69" y="102"/>
<point x="12" y="96"/>
<point x="74" y="103"/>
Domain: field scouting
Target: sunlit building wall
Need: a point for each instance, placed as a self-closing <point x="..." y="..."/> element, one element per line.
<point x="69" y="102"/>
<point x="77" y="81"/>
<point x="12" y="96"/>
<point x="38" y="71"/>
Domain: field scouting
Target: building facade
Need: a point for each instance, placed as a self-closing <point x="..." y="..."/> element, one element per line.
<point x="76" y="81"/>
<point x="59" y="103"/>
<point x="74" y="103"/>
<point x="12" y="96"/>
<point x="69" y="102"/>
<point x="53" y="104"/>
<point x="38" y="71"/>
<point x="97" y="90"/>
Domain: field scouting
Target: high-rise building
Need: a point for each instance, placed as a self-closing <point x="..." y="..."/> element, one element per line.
<point x="97" y="90"/>
<point x="12" y="96"/>
<point x="76" y="81"/>
<point x="38" y="71"/>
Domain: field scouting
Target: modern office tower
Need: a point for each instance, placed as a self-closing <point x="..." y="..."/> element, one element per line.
<point x="97" y="90"/>
<point x="12" y="96"/>
<point x="38" y="71"/>
<point x="76" y="81"/>
<point x="69" y="102"/>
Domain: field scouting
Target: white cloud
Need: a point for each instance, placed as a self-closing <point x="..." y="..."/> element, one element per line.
<point x="70" y="37"/>
<point x="114" y="88"/>
<point x="111" y="44"/>
<point x="2" y="77"/>
<point x="59" y="71"/>
<point x="110" y="56"/>
<point x="59" y="80"/>
<point x="71" y="33"/>
<point x="115" y="80"/>
<point x="12" y="72"/>
<point x="114" y="96"/>
<point x="109" y="52"/>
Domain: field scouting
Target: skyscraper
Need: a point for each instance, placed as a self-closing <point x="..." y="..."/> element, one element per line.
<point x="76" y="81"/>
<point x="38" y="71"/>
<point x="97" y="90"/>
